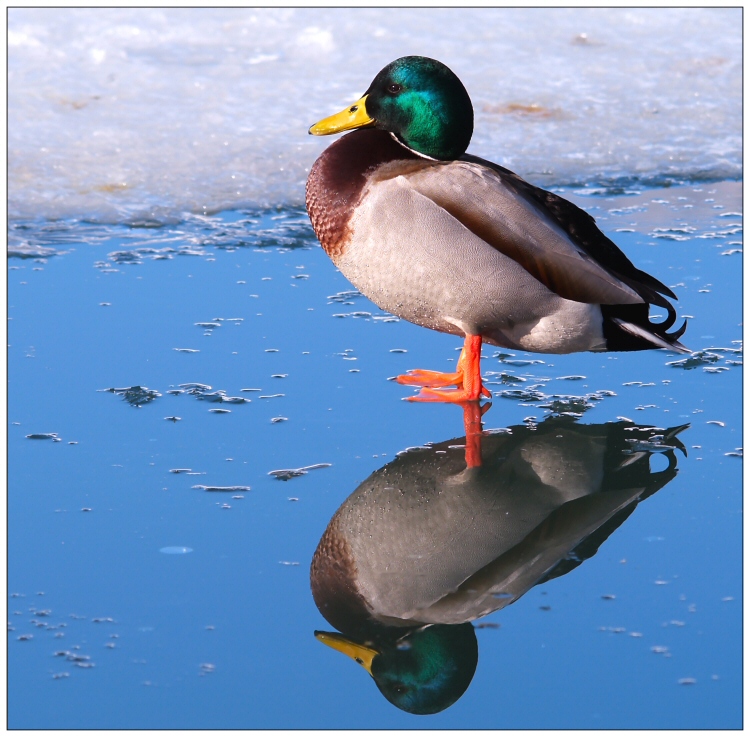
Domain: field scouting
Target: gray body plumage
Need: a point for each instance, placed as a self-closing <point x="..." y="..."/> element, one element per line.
<point x="430" y="541"/>
<point x="434" y="271"/>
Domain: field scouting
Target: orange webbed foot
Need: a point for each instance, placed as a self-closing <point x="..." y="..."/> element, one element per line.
<point x="421" y="377"/>
<point x="467" y="378"/>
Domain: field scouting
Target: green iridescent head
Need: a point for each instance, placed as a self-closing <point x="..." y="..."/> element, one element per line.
<point x="420" y="101"/>
<point x="422" y="672"/>
<point x="424" y="104"/>
<point x="428" y="670"/>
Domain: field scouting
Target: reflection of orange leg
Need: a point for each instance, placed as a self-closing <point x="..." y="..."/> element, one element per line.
<point x="468" y="378"/>
<point x="473" y="428"/>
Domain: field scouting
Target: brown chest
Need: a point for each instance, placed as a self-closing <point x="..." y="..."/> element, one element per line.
<point x="338" y="179"/>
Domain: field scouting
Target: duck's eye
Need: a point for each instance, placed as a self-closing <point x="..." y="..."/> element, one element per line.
<point x="394" y="88"/>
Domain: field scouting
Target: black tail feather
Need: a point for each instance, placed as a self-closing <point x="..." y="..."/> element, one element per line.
<point x="619" y="338"/>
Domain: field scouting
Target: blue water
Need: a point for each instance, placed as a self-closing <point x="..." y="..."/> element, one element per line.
<point x="194" y="606"/>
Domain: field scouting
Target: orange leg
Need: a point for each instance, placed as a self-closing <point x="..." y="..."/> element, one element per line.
<point x="468" y="378"/>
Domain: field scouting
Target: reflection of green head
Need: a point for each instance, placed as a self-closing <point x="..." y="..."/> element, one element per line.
<point x="423" y="672"/>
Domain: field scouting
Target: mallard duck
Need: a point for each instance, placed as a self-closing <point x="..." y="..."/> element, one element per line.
<point x="458" y="244"/>
<point x="427" y="544"/>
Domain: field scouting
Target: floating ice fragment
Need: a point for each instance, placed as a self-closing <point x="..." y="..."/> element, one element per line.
<point x="135" y="396"/>
<point x="24" y="250"/>
<point x="521" y="362"/>
<point x="699" y="358"/>
<point x="529" y="394"/>
<point x="221" y="488"/>
<point x="175" y="550"/>
<point x="344" y="297"/>
<point x="505" y="378"/>
<point x="291" y="473"/>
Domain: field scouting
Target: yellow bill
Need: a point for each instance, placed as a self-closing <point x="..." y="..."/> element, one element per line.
<point x="352" y="117"/>
<point x="359" y="653"/>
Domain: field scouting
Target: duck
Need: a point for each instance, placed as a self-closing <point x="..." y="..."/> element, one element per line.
<point x="429" y="543"/>
<point x="458" y="244"/>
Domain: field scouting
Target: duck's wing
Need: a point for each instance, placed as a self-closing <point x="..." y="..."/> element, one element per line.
<point x="494" y="209"/>
<point x="556" y="241"/>
<point x="587" y="239"/>
<point x="509" y="577"/>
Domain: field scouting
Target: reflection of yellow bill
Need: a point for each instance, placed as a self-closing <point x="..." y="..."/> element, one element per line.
<point x="352" y="117"/>
<point x="360" y="653"/>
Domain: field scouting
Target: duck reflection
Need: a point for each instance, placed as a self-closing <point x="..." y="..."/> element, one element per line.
<point x="445" y="534"/>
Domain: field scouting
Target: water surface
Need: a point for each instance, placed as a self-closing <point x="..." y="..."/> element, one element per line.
<point x="220" y="634"/>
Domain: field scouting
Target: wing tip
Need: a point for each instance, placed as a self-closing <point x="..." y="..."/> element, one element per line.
<point x="666" y="341"/>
